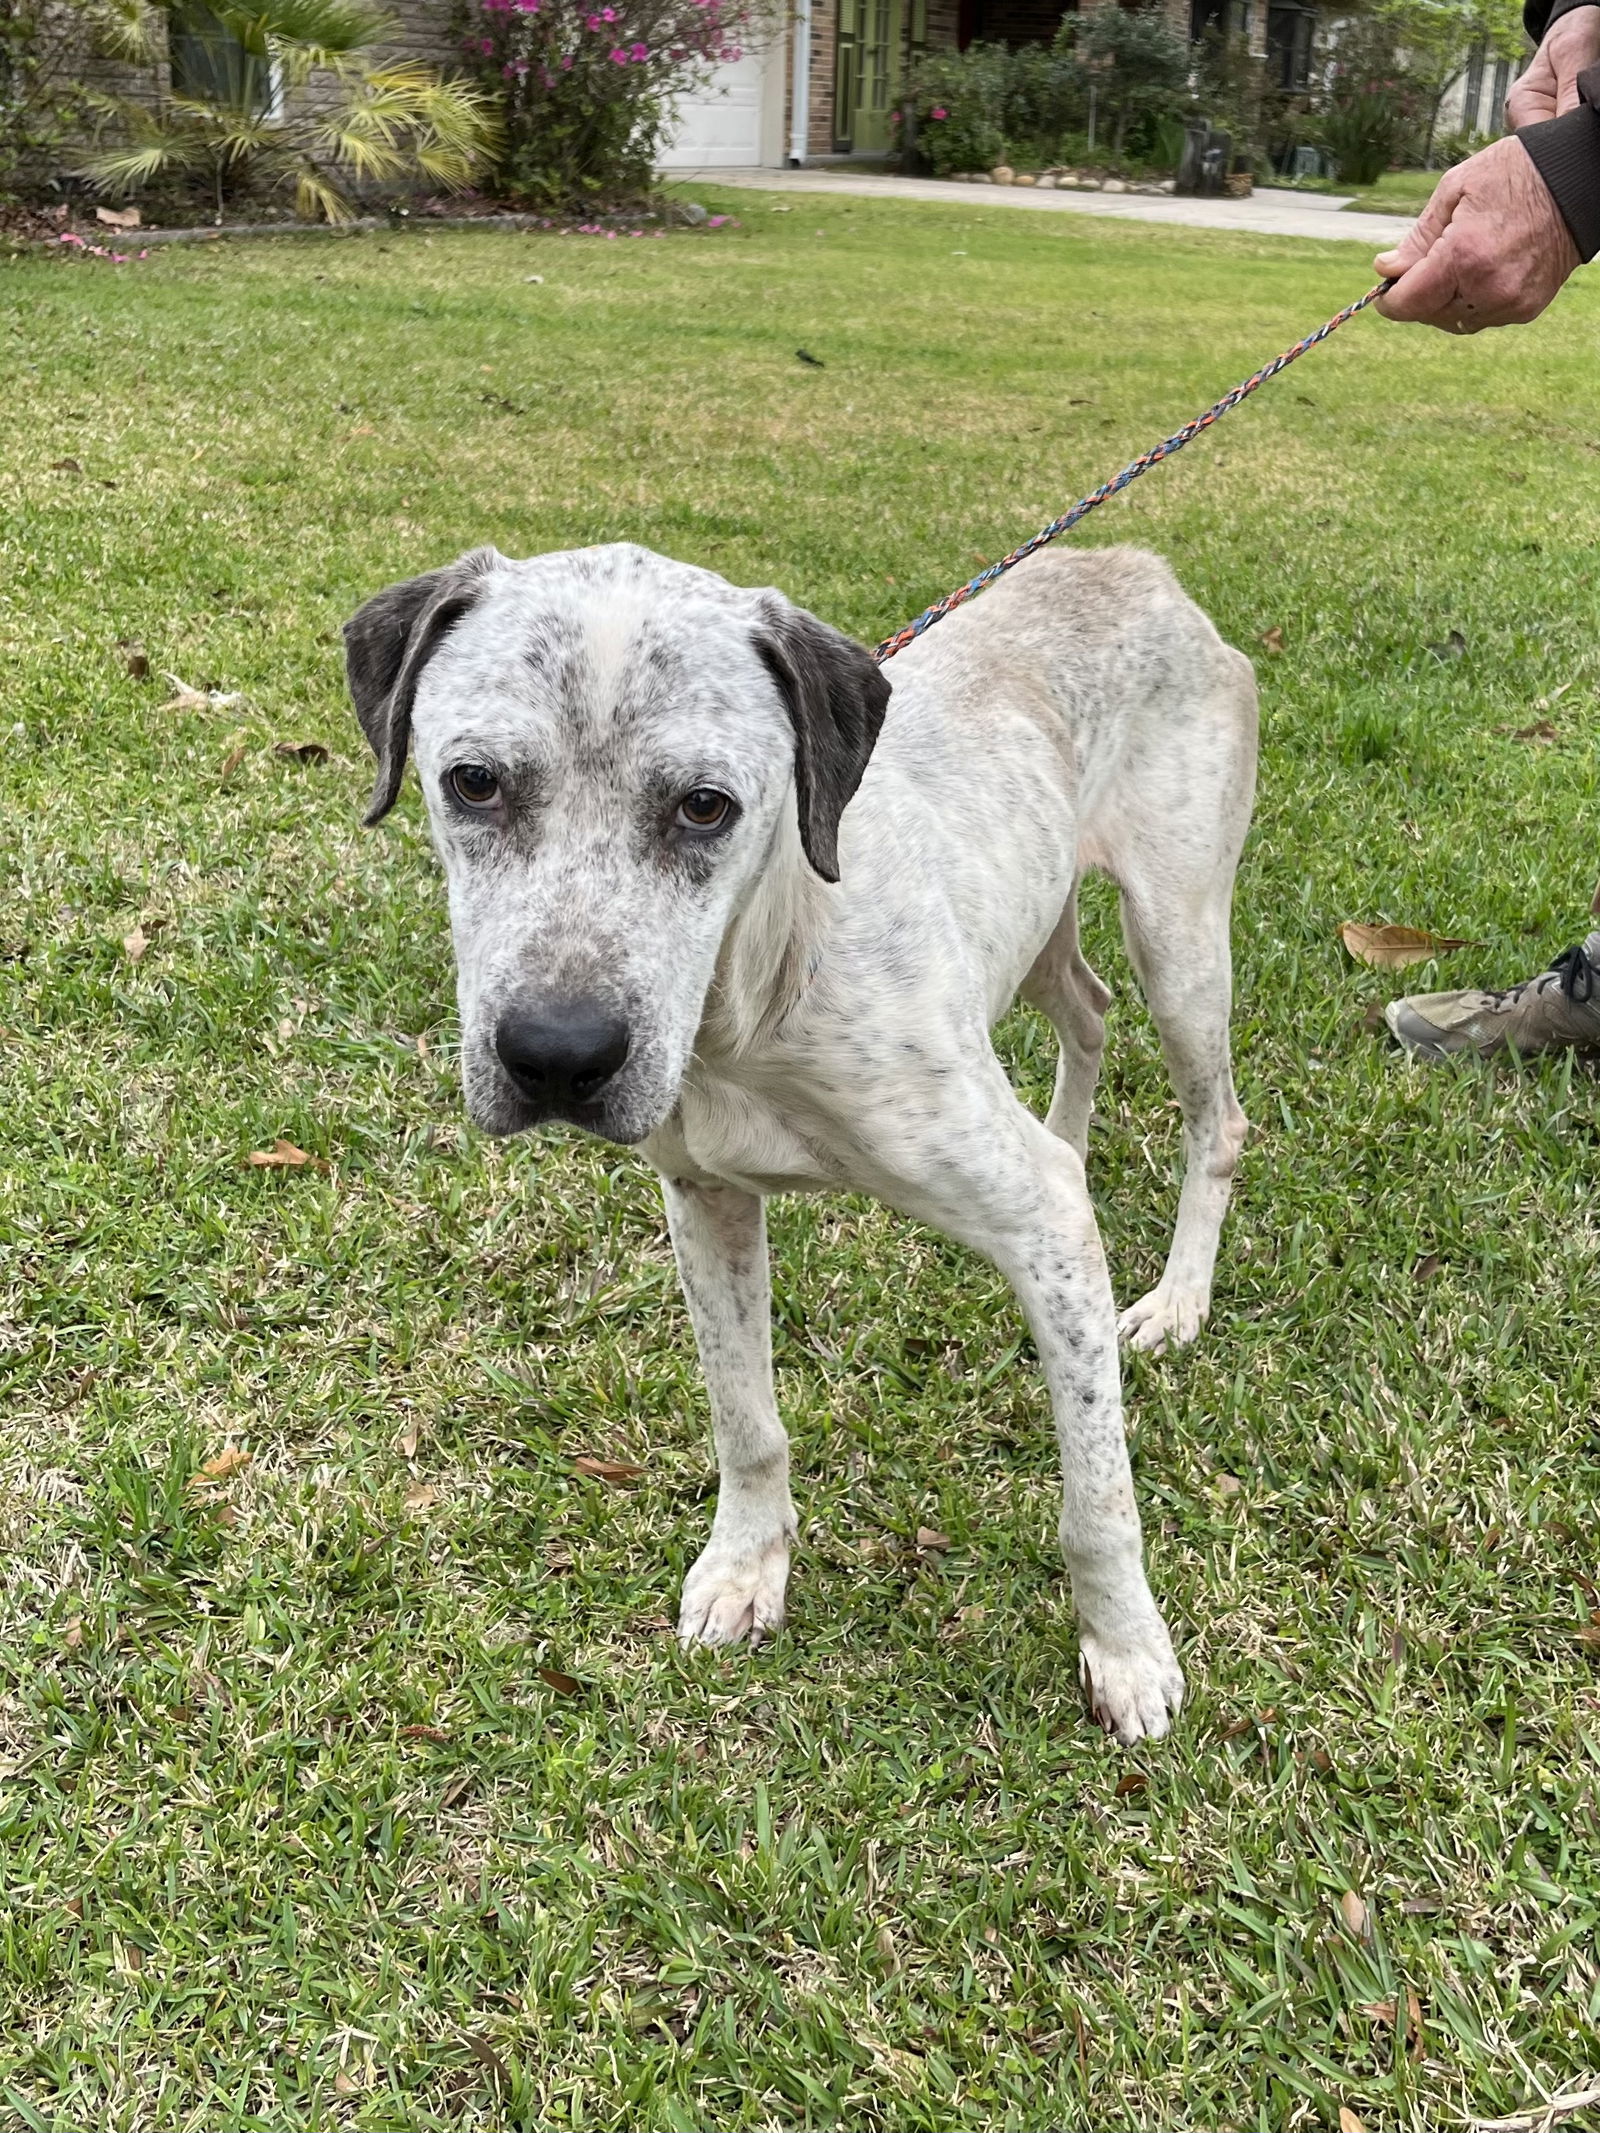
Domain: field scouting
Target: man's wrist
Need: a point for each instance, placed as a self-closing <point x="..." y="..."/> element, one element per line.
<point x="1566" y="154"/>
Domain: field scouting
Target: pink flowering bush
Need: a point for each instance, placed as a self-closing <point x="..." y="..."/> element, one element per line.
<point x="586" y="91"/>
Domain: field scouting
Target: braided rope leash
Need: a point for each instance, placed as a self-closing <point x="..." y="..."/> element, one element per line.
<point x="1134" y="468"/>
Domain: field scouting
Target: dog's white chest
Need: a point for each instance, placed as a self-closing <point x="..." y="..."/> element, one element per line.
<point x="723" y="1133"/>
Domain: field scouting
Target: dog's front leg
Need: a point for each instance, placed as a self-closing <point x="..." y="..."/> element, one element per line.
<point x="1025" y="1205"/>
<point x="735" y="1590"/>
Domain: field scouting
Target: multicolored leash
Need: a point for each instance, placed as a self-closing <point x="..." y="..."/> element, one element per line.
<point x="1135" y="467"/>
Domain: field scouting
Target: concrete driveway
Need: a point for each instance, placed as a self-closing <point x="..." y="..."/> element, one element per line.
<point x="1266" y="213"/>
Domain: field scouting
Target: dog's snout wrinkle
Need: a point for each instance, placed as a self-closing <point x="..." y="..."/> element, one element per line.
<point x="561" y="1052"/>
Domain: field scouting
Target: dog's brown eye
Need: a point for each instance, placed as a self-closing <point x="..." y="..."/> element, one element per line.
<point x="474" y="786"/>
<point x="703" y="809"/>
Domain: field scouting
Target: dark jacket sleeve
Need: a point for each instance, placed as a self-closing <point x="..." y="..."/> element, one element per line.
<point x="1566" y="154"/>
<point x="1537" y="15"/>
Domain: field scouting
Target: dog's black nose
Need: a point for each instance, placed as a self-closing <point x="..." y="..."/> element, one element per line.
<point x="562" y="1053"/>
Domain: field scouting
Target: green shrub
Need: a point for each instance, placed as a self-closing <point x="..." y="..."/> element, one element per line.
<point x="585" y="88"/>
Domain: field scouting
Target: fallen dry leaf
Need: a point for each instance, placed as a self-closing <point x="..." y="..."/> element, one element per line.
<point x="616" y="1471"/>
<point x="931" y="1542"/>
<point x="344" y="2086"/>
<point x="72" y="1637"/>
<point x="563" y="1684"/>
<point x="66" y="466"/>
<point x="457" y="1789"/>
<point x="1453" y="647"/>
<point x="134" y="658"/>
<point x="1393" y="947"/>
<point x="493" y="2065"/>
<point x="423" y="1733"/>
<point x="118" y="218"/>
<point x="284" y="1155"/>
<point x="238" y="749"/>
<point x="1541" y="731"/>
<point x="418" y="1497"/>
<point x="233" y="1460"/>
<point x="1228" y="1485"/>
<point x="1273" y="638"/>
<point x="1355" y="1915"/>
<point x="1427" y="1266"/>
<point x="134" y="944"/>
<point x="187" y="699"/>
<point x="406" y="1442"/>
<point x="1131" y="1782"/>
<point x="1348" y="2121"/>
<point x="302" y="751"/>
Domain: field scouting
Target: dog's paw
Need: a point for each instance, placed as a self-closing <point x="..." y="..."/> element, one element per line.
<point x="1166" y="1318"/>
<point x="1134" y="1685"/>
<point x="734" y="1594"/>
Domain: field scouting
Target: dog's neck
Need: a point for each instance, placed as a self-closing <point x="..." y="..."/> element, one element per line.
<point x="769" y="952"/>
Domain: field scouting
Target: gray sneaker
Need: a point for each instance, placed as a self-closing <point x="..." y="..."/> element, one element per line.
<point x="1557" y="1011"/>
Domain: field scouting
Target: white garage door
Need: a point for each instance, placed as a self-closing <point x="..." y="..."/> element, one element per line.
<point x="721" y="125"/>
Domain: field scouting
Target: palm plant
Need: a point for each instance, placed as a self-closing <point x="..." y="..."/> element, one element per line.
<point x="237" y="114"/>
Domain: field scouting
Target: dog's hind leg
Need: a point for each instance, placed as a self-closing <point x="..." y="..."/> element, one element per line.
<point x="1176" y="877"/>
<point x="735" y="1591"/>
<point x="1074" y="1000"/>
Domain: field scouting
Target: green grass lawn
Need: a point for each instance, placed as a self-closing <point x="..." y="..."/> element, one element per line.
<point x="304" y="1822"/>
<point x="1397" y="192"/>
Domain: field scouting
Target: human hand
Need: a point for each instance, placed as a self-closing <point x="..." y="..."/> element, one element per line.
<point x="1549" y="89"/>
<point x="1489" y="249"/>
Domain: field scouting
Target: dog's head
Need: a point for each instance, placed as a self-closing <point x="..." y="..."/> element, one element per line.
<point x="610" y="744"/>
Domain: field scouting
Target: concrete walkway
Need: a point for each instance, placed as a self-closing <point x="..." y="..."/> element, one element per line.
<point x="1267" y="213"/>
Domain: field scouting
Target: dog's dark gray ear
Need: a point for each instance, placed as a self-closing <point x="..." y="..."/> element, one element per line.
<point x="387" y="643"/>
<point x="836" y="695"/>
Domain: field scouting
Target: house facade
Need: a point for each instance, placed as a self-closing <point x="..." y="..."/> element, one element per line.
<point x="827" y="87"/>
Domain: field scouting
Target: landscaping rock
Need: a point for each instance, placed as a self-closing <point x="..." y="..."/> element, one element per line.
<point x="1024" y="177"/>
<point x="693" y="213"/>
<point x="1112" y="185"/>
<point x="1046" y="182"/>
<point x="1068" y="181"/>
<point x="1167" y="185"/>
<point x="1002" y="174"/>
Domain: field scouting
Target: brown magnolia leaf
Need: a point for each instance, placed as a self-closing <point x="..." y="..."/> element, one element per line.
<point x="419" y="1497"/>
<point x="930" y="1542"/>
<point x="302" y="751"/>
<point x="1348" y="2121"/>
<point x="616" y="1471"/>
<point x="284" y="1155"/>
<point x="344" y="2086"/>
<point x="435" y="1733"/>
<point x="1589" y="1634"/>
<point x="134" y="944"/>
<point x="1393" y="947"/>
<point x="457" y="1789"/>
<point x="66" y="466"/>
<point x="1355" y="1915"/>
<point x="233" y="1460"/>
<point x="134" y="658"/>
<point x="129" y="1958"/>
<point x="1541" y="732"/>
<point x="499" y="2078"/>
<point x="72" y="1637"/>
<point x="1427" y="1266"/>
<point x="74" y="1906"/>
<point x="563" y="1684"/>
<point x="1414" y="2023"/>
<point x="118" y="218"/>
<point x="187" y="699"/>
<point x="1131" y="1782"/>
<point x="406" y="1442"/>
<point x="1378" y="2010"/>
<point x="238" y="749"/>
<point x="1273" y="638"/>
<point x="1228" y="1484"/>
